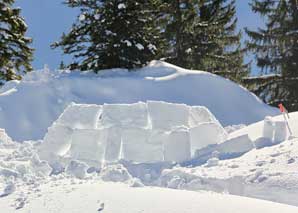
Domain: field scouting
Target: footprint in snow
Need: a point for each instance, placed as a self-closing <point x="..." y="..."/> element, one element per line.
<point x="291" y="160"/>
<point x="9" y="189"/>
<point x="101" y="208"/>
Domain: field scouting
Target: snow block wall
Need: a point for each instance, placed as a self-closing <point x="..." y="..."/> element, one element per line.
<point x="141" y="132"/>
<point x="274" y="132"/>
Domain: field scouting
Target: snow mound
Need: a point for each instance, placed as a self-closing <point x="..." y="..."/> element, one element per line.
<point x="30" y="106"/>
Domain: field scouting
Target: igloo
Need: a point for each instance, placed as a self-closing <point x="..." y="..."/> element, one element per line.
<point x="141" y="133"/>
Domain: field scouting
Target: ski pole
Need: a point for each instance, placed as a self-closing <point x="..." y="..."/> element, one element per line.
<point x="284" y="112"/>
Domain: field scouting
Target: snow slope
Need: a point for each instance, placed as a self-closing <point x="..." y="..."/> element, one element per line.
<point x="29" y="107"/>
<point x="89" y="196"/>
<point x="268" y="173"/>
<point x="255" y="130"/>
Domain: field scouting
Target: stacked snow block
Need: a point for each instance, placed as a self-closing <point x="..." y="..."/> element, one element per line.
<point x="200" y="114"/>
<point x="80" y="116"/>
<point x="59" y="139"/>
<point x="170" y="122"/>
<point x="55" y="144"/>
<point x="141" y="133"/>
<point x="88" y="145"/>
<point x="124" y="125"/>
<point x="206" y="134"/>
<point x="124" y="115"/>
<point x="281" y="132"/>
<point x="142" y="146"/>
<point x="166" y="116"/>
<point x="112" y="138"/>
<point x="177" y="146"/>
<point x="274" y="132"/>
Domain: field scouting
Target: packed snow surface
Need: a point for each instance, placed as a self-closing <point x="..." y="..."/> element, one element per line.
<point x="89" y="196"/>
<point x="30" y="106"/>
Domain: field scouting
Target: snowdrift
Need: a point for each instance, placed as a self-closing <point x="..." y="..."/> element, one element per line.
<point x="29" y="107"/>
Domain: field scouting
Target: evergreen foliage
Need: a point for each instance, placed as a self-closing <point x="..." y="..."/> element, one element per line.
<point x="112" y="34"/>
<point x="202" y="35"/>
<point x="15" y="53"/>
<point x="276" y="49"/>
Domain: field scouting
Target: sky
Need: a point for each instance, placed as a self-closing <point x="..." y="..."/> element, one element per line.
<point x="48" y="19"/>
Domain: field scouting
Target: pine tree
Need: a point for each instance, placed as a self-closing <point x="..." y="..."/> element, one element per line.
<point x="219" y="50"/>
<point x="276" y="49"/>
<point x="202" y="35"/>
<point x="111" y="34"/>
<point x="15" y="53"/>
<point x="177" y="17"/>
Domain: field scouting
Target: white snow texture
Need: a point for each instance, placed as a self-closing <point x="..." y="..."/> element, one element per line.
<point x="159" y="81"/>
<point x="141" y="132"/>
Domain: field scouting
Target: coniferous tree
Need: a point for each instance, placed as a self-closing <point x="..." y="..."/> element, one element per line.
<point x="177" y="18"/>
<point x="276" y="48"/>
<point x="15" y="53"/>
<point x="112" y="34"/>
<point x="202" y="35"/>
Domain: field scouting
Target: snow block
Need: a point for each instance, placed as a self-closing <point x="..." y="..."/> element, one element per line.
<point x="142" y="145"/>
<point x="231" y="148"/>
<point x="88" y="146"/>
<point x="177" y="146"/>
<point x="206" y="134"/>
<point x="125" y="115"/>
<point x="115" y="173"/>
<point x="113" y="143"/>
<point x="268" y="129"/>
<point x="56" y="143"/>
<point x="240" y="144"/>
<point x="167" y="116"/>
<point x="263" y="142"/>
<point x="77" y="169"/>
<point x="281" y="132"/>
<point x="80" y="116"/>
<point x="200" y="114"/>
<point x="40" y="167"/>
<point x="4" y="138"/>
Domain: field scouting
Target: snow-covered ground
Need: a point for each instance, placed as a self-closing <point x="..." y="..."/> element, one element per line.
<point x="29" y="107"/>
<point x="148" y="156"/>
<point x="267" y="173"/>
<point x="71" y="196"/>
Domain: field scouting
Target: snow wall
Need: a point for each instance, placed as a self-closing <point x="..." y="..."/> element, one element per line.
<point x="141" y="132"/>
<point x="30" y="106"/>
